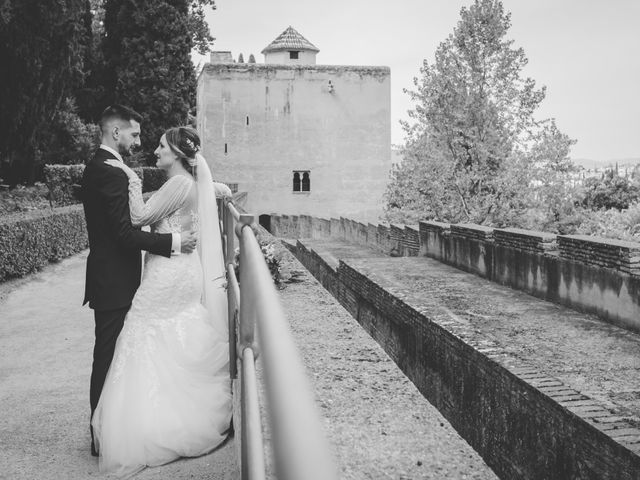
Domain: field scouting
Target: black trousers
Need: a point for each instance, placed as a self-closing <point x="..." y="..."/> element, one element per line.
<point x="108" y="326"/>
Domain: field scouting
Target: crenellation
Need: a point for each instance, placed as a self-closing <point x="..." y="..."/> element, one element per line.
<point x="411" y="240"/>
<point x="527" y="240"/>
<point x="471" y="231"/>
<point x="602" y="252"/>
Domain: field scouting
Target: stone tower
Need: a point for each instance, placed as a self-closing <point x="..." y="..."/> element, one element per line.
<point x="299" y="138"/>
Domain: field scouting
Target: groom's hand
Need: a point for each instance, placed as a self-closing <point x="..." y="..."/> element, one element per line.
<point x="188" y="241"/>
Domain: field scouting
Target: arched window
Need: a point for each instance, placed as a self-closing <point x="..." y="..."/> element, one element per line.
<point x="301" y="181"/>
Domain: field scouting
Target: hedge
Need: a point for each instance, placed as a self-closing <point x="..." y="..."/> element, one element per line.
<point x="29" y="241"/>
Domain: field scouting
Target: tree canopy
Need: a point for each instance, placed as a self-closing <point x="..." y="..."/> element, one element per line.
<point x="473" y="147"/>
<point x="64" y="62"/>
<point x="147" y="53"/>
<point x="610" y="191"/>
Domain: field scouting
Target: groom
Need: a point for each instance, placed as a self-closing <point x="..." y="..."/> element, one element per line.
<point x="114" y="262"/>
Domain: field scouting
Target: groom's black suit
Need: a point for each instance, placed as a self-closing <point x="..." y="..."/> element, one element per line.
<point x="114" y="262"/>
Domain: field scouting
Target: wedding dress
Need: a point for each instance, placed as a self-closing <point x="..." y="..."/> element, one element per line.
<point x="167" y="394"/>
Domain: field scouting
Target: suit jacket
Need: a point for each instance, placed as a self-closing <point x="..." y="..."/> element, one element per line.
<point x="115" y="261"/>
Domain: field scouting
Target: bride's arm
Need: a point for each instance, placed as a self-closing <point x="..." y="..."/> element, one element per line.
<point x="169" y="198"/>
<point x="162" y="203"/>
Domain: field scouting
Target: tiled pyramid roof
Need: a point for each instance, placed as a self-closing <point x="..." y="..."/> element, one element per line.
<point x="290" y="39"/>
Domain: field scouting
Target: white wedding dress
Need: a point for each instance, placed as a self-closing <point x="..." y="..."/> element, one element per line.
<point x="167" y="394"/>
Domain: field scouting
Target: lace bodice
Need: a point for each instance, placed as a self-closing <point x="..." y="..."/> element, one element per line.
<point x="178" y="221"/>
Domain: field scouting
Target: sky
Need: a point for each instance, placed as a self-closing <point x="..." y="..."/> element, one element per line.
<point x="586" y="52"/>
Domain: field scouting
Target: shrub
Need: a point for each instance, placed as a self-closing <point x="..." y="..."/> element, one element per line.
<point x="611" y="191"/>
<point x="23" y="198"/>
<point x="64" y="183"/>
<point x="29" y="241"/>
<point x="69" y="140"/>
<point x="612" y="223"/>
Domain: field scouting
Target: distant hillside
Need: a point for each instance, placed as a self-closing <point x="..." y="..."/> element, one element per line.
<point x="590" y="163"/>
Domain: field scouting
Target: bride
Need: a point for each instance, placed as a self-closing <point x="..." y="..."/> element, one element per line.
<point x="167" y="394"/>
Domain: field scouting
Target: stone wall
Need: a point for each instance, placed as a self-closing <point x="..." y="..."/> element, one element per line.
<point x="523" y="423"/>
<point x="261" y="122"/>
<point x="594" y="275"/>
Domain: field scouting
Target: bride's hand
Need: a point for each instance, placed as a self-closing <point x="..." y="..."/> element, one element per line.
<point x="121" y="165"/>
<point x="221" y="190"/>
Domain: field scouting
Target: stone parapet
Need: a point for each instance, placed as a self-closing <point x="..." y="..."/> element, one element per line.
<point x="411" y="241"/>
<point x="435" y="226"/>
<point x="472" y="232"/>
<point x="599" y="276"/>
<point x="526" y="240"/>
<point x="601" y="252"/>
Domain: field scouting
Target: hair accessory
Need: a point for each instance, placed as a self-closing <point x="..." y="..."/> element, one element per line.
<point x="191" y="145"/>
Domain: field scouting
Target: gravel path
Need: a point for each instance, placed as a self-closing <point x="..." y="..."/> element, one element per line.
<point x="46" y="339"/>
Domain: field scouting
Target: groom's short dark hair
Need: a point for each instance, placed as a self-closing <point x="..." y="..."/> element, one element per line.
<point x="119" y="112"/>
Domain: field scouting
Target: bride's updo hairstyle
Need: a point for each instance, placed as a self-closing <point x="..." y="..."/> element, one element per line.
<point x="185" y="143"/>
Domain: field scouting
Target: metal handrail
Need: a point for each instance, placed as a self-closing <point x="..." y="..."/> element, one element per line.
<point x="300" y="449"/>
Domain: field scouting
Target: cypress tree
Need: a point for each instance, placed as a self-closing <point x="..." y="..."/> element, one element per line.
<point x="147" y="52"/>
<point x="42" y="46"/>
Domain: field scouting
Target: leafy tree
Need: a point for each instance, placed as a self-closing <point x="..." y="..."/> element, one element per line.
<point x="474" y="143"/>
<point x="609" y="192"/>
<point x="252" y="59"/>
<point x="555" y="192"/>
<point x="240" y="58"/>
<point x="69" y="140"/>
<point x="147" y="52"/>
<point x="41" y="51"/>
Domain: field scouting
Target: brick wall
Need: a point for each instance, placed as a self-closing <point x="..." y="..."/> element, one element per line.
<point x="594" y="275"/>
<point x="524" y="424"/>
